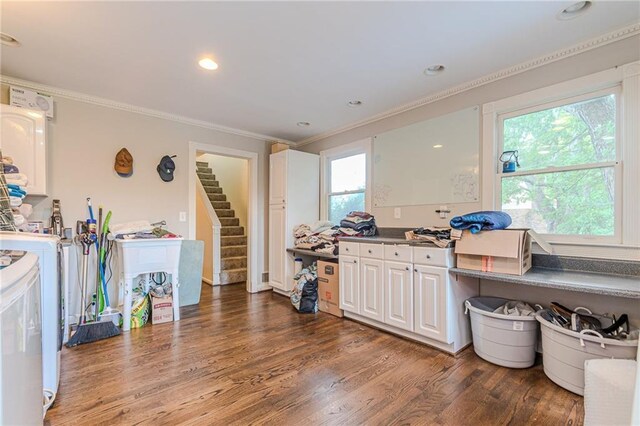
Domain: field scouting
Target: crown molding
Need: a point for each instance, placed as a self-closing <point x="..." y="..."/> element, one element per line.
<point x="576" y="49"/>
<point x="108" y="103"/>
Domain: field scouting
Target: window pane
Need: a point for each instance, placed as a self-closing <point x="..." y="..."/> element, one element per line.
<point x="579" y="202"/>
<point x="341" y="205"/>
<point x="349" y="173"/>
<point x="578" y="133"/>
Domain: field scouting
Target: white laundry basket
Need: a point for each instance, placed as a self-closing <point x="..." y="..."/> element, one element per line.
<point x="506" y="340"/>
<point x="565" y="351"/>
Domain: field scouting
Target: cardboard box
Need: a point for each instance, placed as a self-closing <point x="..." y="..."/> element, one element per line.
<point x="506" y="251"/>
<point x="329" y="288"/>
<point x="277" y="147"/>
<point x="161" y="309"/>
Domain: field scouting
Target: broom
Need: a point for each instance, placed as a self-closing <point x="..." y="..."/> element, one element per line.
<point x="89" y="332"/>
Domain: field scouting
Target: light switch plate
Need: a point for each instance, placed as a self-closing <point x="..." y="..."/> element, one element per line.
<point x="183" y="216"/>
<point x="397" y="213"/>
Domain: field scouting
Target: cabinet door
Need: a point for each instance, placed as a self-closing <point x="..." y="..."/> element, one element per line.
<point x="398" y="295"/>
<point x="371" y="291"/>
<point x="349" y="284"/>
<point x="277" y="249"/>
<point x="23" y="139"/>
<point x="278" y="178"/>
<point x="431" y="302"/>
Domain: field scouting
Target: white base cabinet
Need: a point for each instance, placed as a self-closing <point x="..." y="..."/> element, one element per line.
<point x="408" y="291"/>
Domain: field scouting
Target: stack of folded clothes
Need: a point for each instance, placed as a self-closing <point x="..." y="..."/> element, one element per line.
<point x="358" y="224"/>
<point x="441" y="237"/>
<point x="16" y="184"/>
<point x="320" y="237"/>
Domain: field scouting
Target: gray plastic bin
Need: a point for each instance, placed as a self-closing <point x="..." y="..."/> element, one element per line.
<point x="564" y="352"/>
<point x="506" y="340"/>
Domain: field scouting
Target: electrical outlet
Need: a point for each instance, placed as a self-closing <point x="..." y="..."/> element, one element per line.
<point x="183" y="217"/>
<point x="397" y="213"/>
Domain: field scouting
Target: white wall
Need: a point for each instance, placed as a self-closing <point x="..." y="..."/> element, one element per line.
<point x="605" y="57"/>
<point x="204" y="232"/>
<point x="83" y="140"/>
<point x="233" y="175"/>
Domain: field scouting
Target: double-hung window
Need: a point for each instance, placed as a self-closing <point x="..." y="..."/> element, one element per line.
<point x="568" y="184"/>
<point x="345" y="180"/>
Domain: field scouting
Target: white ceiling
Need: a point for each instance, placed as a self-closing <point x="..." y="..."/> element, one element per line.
<point x="283" y="62"/>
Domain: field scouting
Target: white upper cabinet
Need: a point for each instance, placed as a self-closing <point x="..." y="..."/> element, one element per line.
<point x="278" y="178"/>
<point x="23" y="138"/>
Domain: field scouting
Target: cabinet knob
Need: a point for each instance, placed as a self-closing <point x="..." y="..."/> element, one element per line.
<point x="396" y="253"/>
<point x="407" y="268"/>
<point x="355" y="261"/>
<point x="415" y="270"/>
<point x="282" y="207"/>
<point x="428" y="256"/>
<point x="369" y="251"/>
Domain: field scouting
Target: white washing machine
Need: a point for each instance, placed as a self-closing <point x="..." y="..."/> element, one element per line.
<point x="20" y="340"/>
<point x="49" y="251"/>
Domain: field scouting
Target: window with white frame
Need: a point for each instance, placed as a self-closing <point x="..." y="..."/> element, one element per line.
<point x="345" y="180"/>
<point x="568" y="182"/>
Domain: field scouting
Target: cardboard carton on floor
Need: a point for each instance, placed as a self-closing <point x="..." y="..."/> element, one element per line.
<point x="506" y="251"/>
<point x="329" y="288"/>
<point x="161" y="309"/>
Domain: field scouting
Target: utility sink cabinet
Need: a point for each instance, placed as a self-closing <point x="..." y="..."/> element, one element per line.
<point x="408" y="291"/>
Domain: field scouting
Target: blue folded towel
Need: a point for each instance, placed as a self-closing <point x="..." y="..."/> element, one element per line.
<point x="481" y="221"/>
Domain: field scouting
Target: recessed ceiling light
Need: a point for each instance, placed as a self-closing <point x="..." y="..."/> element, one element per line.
<point x="574" y="10"/>
<point x="208" y="64"/>
<point x="8" y="40"/>
<point x="303" y="124"/>
<point x="437" y="146"/>
<point x="354" y="104"/>
<point x="434" y="69"/>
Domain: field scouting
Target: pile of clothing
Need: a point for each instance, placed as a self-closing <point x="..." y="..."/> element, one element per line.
<point x="16" y="183"/>
<point x="441" y="237"/>
<point x="141" y="229"/>
<point x="358" y="224"/>
<point x="320" y="237"/>
<point x="579" y="319"/>
<point x="304" y="296"/>
<point x="481" y="221"/>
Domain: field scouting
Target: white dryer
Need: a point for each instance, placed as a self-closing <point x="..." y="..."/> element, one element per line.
<point x="49" y="251"/>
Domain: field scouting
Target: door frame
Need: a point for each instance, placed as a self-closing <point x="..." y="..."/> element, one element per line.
<point x="253" y="269"/>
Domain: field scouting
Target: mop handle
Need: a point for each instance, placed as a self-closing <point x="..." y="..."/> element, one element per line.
<point x="90" y="208"/>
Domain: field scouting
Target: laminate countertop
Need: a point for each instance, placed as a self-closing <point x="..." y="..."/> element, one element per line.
<point x="626" y="286"/>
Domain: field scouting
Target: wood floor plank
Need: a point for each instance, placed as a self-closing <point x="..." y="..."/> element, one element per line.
<point x="240" y="358"/>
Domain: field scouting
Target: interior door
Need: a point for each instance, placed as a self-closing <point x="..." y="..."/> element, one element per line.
<point x="371" y="291"/>
<point x="431" y="302"/>
<point x="23" y="139"/>
<point x="398" y="307"/>
<point x="278" y="178"/>
<point x="349" y="284"/>
<point x="277" y="249"/>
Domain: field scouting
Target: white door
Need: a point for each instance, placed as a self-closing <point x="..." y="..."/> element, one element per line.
<point x="349" y="282"/>
<point x="277" y="249"/>
<point x="398" y="295"/>
<point x="431" y="302"/>
<point x="371" y="291"/>
<point x="23" y="139"/>
<point x="278" y="178"/>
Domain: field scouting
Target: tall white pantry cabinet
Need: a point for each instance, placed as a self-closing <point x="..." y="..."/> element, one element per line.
<point x="294" y="199"/>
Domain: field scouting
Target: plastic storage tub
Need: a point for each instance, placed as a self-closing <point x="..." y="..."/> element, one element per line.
<point x="506" y="340"/>
<point x="564" y="352"/>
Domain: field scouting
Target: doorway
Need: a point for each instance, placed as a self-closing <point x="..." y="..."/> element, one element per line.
<point x="223" y="212"/>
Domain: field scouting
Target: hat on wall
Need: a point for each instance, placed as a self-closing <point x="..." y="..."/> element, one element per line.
<point x="124" y="163"/>
<point x="166" y="167"/>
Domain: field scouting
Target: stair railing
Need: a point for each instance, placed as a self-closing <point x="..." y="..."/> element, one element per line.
<point x="216" y="228"/>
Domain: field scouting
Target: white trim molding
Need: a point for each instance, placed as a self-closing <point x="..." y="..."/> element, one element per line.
<point x="255" y="253"/>
<point x="109" y="103"/>
<point x="216" y="231"/>
<point x="611" y="37"/>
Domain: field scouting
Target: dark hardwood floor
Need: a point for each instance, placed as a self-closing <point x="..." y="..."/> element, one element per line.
<point x="240" y="358"/>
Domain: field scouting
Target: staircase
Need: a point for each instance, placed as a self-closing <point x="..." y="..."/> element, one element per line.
<point x="233" y="241"/>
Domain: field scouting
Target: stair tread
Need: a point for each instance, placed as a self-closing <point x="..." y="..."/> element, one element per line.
<point x="234" y="270"/>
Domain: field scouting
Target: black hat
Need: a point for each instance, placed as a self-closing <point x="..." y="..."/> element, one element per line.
<point x="166" y="167"/>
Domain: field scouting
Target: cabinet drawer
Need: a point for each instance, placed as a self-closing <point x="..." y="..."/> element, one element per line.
<point x="398" y="253"/>
<point x="352" y="249"/>
<point x="373" y="251"/>
<point x="433" y="256"/>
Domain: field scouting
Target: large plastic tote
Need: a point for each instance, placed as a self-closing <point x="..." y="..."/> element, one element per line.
<point x="506" y="340"/>
<point x="565" y="351"/>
